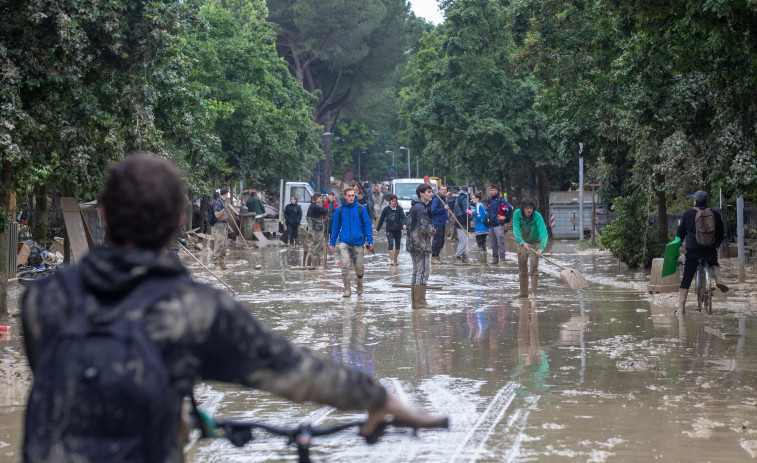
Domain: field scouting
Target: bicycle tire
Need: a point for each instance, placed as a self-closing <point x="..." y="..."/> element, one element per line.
<point x="708" y="291"/>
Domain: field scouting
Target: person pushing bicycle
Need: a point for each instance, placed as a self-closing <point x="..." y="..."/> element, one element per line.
<point x="702" y="230"/>
<point x="117" y="341"/>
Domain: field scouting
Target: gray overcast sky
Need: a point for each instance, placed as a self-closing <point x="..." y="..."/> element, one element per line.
<point x="427" y="9"/>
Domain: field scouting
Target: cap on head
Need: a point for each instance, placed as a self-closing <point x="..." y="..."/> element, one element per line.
<point x="224" y="190"/>
<point x="700" y="196"/>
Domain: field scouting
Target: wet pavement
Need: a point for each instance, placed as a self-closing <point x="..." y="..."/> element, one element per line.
<point x="600" y="374"/>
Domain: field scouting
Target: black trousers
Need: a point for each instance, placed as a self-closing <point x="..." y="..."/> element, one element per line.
<point x="292" y="233"/>
<point x="690" y="268"/>
<point x="437" y="243"/>
<point x="394" y="237"/>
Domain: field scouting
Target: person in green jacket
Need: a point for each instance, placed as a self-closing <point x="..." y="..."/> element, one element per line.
<point x="531" y="234"/>
<point x="255" y="206"/>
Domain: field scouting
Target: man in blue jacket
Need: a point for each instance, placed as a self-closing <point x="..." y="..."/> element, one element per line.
<point x="439" y="219"/>
<point x="353" y="227"/>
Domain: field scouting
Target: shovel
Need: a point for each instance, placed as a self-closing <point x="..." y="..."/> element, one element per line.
<point x="570" y="276"/>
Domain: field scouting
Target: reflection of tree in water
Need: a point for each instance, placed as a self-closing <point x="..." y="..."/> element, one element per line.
<point x="534" y="364"/>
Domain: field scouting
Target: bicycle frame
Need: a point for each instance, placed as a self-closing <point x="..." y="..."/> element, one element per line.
<point x="704" y="289"/>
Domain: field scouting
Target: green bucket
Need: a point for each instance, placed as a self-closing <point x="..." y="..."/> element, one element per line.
<point x="670" y="264"/>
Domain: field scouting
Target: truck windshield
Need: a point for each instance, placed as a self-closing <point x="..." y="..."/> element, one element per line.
<point x="405" y="190"/>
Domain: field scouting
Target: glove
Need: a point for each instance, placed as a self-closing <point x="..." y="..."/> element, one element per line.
<point x="469" y="212"/>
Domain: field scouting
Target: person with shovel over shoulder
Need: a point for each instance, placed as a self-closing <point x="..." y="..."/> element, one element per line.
<point x="420" y="230"/>
<point x="531" y="235"/>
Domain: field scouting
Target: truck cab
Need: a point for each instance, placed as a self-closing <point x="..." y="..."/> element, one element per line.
<point x="300" y="190"/>
<point x="404" y="188"/>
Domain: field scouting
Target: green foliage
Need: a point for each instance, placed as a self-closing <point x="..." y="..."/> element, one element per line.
<point x="631" y="237"/>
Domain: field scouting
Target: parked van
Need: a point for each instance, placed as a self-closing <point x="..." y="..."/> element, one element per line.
<point x="404" y="188"/>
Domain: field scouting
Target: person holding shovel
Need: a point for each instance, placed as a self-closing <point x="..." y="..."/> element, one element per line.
<point x="531" y="235"/>
<point x="220" y="229"/>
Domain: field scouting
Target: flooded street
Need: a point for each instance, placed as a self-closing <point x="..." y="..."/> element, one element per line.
<point x="600" y="374"/>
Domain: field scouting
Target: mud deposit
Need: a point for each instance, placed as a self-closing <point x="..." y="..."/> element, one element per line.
<point x="595" y="375"/>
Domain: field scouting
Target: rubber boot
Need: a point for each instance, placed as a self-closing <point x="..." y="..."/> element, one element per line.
<point x="523" y="280"/>
<point x="347" y="292"/>
<point x="391" y="257"/>
<point x="682" y="293"/>
<point x="420" y="298"/>
<point x="482" y="257"/>
<point x="412" y="295"/>
<point x="495" y="260"/>
<point x="359" y="286"/>
<point x="436" y="260"/>
<point x="396" y="253"/>
<point x="719" y="279"/>
<point x="534" y="285"/>
<point x="222" y="264"/>
<point x="464" y="258"/>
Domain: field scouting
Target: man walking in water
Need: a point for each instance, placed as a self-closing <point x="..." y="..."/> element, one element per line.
<point x="220" y="229"/>
<point x="419" y="233"/>
<point x="352" y="226"/>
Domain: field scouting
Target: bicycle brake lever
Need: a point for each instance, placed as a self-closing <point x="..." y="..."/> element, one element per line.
<point x="377" y="433"/>
<point x="237" y="435"/>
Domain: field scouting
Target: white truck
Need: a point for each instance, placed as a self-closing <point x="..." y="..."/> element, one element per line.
<point x="404" y="188"/>
<point x="300" y="190"/>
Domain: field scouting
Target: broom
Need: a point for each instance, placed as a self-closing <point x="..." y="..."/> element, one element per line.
<point x="572" y="277"/>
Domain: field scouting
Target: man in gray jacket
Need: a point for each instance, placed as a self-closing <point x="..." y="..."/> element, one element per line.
<point x="419" y="233"/>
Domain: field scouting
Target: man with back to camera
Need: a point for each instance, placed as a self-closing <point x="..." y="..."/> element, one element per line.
<point x="200" y="333"/>
<point x="499" y="210"/>
<point x="702" y="229"/>
<point x="353" y="228"/>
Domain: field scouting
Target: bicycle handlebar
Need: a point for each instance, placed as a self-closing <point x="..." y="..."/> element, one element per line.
<point x="239" y="433"/>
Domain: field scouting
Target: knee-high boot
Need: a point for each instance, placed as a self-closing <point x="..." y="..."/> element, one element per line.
<point x="719" y="279"/>
<point x="523" y="280"/>
<point x="347" y="292"/>
<point x="534" y="285"/>
<point x="682" y="293"/>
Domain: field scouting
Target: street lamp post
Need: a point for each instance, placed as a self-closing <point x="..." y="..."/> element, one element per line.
<point x="408" y="160"/>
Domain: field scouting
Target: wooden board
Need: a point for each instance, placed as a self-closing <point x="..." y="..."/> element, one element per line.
<point x="74" y="228"/>
<point x="259" y="236"/>
<point x="657" y="283"/>
<point x="403" y="285"/>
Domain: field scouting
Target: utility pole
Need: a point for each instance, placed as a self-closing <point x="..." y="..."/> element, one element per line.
<point x="580" y="192"/>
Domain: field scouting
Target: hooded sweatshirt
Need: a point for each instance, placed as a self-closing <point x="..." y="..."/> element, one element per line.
<point x="201" y="333"/>
<point x="531" y="230"/>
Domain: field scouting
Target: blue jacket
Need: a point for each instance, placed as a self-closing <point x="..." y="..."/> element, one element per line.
<point x="479" y="213"/>
<point x="439" y="216"/>
<point x="492" y="208"/>
<point x="352" y="225"/>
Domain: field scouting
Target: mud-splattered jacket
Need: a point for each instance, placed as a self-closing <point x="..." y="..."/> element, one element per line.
<point x="201" y="333"/>
<point x="419" y="228"/>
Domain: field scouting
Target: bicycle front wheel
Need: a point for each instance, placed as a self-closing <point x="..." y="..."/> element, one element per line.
<point x="708" y="290"/>
<point x="700" y="288"/>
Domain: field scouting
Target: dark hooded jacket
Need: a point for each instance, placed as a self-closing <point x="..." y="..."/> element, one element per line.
<point x="687" y="231"/>
<point x="419" y="228"/>
<point x="293" y="214"/>
<point x="201" y="333"/>
<point x="395" y="219"/>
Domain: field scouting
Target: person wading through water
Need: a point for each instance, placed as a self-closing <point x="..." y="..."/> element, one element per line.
<point x="531" y="235"/>
<point x="353" y="228"/>
<point x="95" y="398"/>
<point x="395" y="223"/>
<point x="419" y="233"/>
<point x="315" y="231"/>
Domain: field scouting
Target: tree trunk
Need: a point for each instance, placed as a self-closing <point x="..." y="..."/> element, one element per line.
<point x="41" y="206"/>
<point x="662" y="211"/>
<point x="5" y="194"/>
<point x="544" y="187"/>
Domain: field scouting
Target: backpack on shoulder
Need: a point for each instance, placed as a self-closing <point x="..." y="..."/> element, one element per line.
<point x="704" y="226"/>
<point x="211" y="215"/>
<point x="101" y="390"/>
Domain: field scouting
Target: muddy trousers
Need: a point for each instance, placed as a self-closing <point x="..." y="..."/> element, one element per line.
<point x="497" y="239"/>
<point x="220" y="242"/>
<point x="528" y="264"/>
<point x="352" y="255"/>
<point x="437" y="242"/>
<point x="421" y="269"/>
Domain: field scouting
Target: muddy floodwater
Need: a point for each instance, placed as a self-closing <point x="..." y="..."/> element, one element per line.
<point x="600" y="374"/>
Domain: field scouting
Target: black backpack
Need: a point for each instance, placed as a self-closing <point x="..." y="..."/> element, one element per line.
<point x="101" y="390"/>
